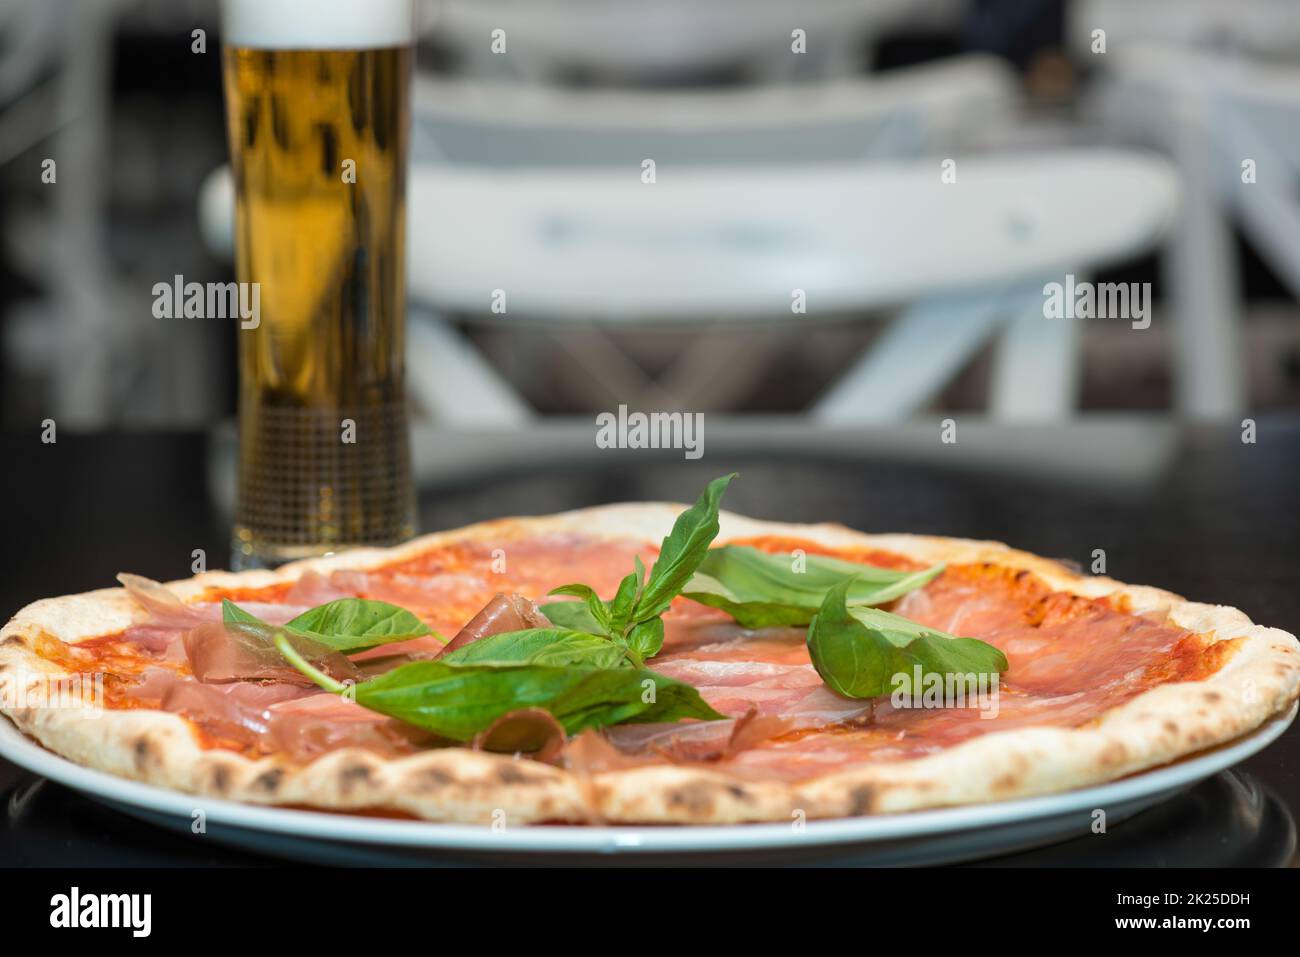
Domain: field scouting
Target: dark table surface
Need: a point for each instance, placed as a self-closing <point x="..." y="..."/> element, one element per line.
<point x="1218" y="523"/>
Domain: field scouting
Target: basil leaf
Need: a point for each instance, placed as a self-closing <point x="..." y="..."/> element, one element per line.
<point x="254" y="654"/>
<point x="681" y="552"/>
<point x="596" y="608"/>
<point x="760" y="590"/>
<point x="620" y="607"/>
<point x="542" y="646"/>
<point x="457" y="701"/>
<point x="346" y="625"/>
<point x="573" y="615"/>
<point x="646" y="638"/>
<point x="895" y="629"/>
<point x="631" y="617"/>
<point x="243" y="625"/>
<point x="232" y="614"/>
<point x="355" y="623"/>
<point x="859" y="657"/>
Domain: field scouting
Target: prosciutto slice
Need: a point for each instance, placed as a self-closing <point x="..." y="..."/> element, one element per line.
<point x="218" y="652"/>
<point x="592" y="753"/>
<point x="164" y="608"/>
<point x="241" y="706"/>
<point x="166" y="611"/>
<point x="311" y="726"/>
<point x="168" y="617"/>
<point x="531" y="731"/>
<point x="276" y="717"/>
<point x="502" y="614"/>
<point x="312" y="589"/>
<point x="714" y="740"/>
<point x="734" y="687"/>
<point x="169" y="620"/>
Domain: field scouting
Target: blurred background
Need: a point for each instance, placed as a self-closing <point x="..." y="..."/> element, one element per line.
<point x="827" y="225"/>
<point x="797" y="146"/>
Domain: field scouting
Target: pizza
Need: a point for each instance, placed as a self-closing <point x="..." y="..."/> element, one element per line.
<point x="641" y="663"/>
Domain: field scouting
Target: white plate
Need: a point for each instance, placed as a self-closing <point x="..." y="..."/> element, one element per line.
<point x="944" y="835"/>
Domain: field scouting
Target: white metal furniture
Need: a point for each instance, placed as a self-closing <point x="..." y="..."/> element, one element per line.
<point x="633" y="39"/>
<point x="1208" y="83"/>
<point x="970" y="257"/>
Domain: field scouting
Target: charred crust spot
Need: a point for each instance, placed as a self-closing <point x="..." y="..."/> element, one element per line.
<point x="1022" y="574"/>
<point x="355" y="774"/>
<point x="146" y="752"/>
<point x="219" y="777"/>
<point x="269" y="781"/>
<point x="508" y="774"/>
<point x="736" y="791"/>
<point x="862" y="799"/>
<point x="1213" y="696"/>
<point x="697" y="798"/>
<point x="431" y="779"/>
<point x="513" y="774"/>
<point x="1171" y="727"/>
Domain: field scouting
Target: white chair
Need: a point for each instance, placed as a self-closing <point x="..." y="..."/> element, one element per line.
<point x="629" y="39"/>
<point x="968" y="260"/>
<point x="946" y="105"/>
<point x="1178" y="75"/>
<point x="971" y="257"/>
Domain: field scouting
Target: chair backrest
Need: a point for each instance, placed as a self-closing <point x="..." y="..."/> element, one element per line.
<point x="666" y="37"/>
<point x="723" y="242"/>
<point x="901" y="113"/>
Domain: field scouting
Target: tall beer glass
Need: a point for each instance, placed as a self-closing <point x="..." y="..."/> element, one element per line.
<point x="317" y="101"/>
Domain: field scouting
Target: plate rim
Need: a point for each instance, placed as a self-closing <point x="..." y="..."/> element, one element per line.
<point x="18" y="748"/>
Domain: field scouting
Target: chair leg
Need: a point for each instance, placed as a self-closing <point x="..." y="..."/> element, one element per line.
<point x="1200" y="261"/>
<point x="449" y="380"/>
<point x="1035" y="366"/>
<point x="918" y="354"/>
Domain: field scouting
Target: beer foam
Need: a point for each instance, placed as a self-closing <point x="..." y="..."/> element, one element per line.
<point x="317" y="24"/>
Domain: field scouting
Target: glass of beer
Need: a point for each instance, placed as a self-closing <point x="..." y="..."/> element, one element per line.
<point x="318" y="109"/>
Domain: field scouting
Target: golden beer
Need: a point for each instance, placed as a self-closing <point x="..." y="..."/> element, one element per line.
<point x="318" y="142"/>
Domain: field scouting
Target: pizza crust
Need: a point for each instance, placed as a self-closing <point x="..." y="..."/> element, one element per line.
<point x="1260" y="680"/>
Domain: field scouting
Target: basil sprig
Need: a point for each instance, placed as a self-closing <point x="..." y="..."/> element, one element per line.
<point x="761" y="590"/>
<point x="631" y="619"/>
<point x="542" y="646"/>
<point x="460" y="695"/>
<point x="346" y="625"/>
<point x="858" y="651"/>
<point x="587" y="670"/>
